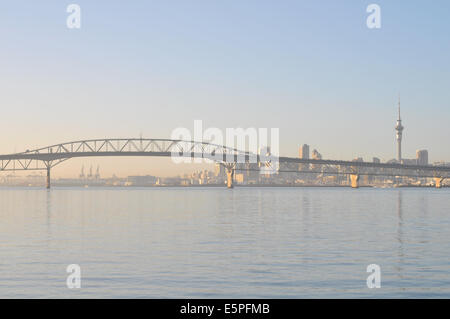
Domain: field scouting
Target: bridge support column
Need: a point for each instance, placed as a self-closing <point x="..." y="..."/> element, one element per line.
<point x="438" y="181"/>
<point x="354" y="179"/>
<point x="48" y="177"/>
<point x="230" y="174"/>
<point x="230" y="177"/>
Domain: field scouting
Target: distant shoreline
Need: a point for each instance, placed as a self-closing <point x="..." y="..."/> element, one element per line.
<point x="218" y="186"/>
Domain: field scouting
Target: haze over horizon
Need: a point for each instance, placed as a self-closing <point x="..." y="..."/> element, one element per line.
<point x="312" y="69"/>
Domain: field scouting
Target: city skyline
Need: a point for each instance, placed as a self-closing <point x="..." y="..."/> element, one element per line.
<point x="421" y="158"/>
<point x="335" y="91"/>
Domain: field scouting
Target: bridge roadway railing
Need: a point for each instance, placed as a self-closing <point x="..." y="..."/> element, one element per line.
<point x="362" y="168"/>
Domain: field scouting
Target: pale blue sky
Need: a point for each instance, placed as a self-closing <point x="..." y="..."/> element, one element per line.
<point x="311" y="68"/>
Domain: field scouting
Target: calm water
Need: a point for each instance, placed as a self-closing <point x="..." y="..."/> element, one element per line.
<point x="218" y="243"/>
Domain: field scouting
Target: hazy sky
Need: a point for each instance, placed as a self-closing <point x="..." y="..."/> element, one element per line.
<point x="311" y="68"/>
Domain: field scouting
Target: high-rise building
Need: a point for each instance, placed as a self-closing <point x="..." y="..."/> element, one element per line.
<point x="374" y="178"/>
<point x="399" y="128"/>
<point x="422" y="157"/>
<point x="303" y="152"/>
<point x="316" y="155"/>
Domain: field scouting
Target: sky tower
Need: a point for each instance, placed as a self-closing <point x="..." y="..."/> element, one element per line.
<point x="399" y="128"/>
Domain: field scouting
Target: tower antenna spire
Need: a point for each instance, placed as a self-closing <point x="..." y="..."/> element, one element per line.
<point x="399" y="128"/>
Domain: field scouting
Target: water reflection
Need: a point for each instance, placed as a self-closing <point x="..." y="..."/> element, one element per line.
<point x="48" y="205"/>
<point x="400" y="252"/>
<point x="306" y="211"/>
<point x="247" y="242"/>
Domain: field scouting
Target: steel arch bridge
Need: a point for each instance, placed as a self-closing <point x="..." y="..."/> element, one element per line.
<point x="48" y="157"/>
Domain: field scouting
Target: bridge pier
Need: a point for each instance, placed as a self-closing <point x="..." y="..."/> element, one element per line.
<point x="354" y="180"/>
<point x="230" y="177"/>
<point x="438" y="182"/>
<point x="48" y="177"/>
<point x="230" y="174"/>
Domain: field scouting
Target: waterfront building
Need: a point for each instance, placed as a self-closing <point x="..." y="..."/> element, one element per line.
<point x="422" y="157"/>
